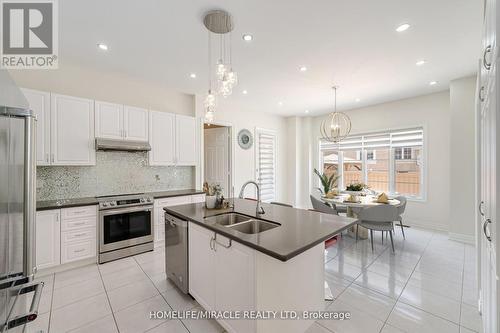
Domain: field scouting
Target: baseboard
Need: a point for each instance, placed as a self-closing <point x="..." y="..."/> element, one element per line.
<point x="469" y="239"/>
<point x="65" y="267"/>
<point x="426" y="225"/>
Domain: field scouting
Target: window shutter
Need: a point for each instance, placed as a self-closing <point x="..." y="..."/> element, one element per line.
<point x="266" y="164"/>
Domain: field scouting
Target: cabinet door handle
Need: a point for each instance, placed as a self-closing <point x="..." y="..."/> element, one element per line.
<point x="486" y="64"/>
<point x="485" y="227"/>
<point x="481" y="208"/>
<point x="47" y="158"/>
<point x="481" y="94"/>
<point x="52" y="158"/>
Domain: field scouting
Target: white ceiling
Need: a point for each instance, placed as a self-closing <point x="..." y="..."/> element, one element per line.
<point x="350" y="43"/>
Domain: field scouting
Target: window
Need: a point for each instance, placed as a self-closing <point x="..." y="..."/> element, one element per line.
<point x="404" y="153"/>
<point x="266" y="164"/>
<point x="389" y="161"/>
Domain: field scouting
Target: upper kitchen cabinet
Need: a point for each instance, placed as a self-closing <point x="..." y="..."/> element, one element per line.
<point x="39" y="102"/>
<point x="185" y="140"/>
<point x="122" y="122"/>
<point x="72" y="130"/>
<point x="172" y="138"/>
<point x="161" y="138"/>
<point x="135" y="123"/>
<point x="108" y="120"/>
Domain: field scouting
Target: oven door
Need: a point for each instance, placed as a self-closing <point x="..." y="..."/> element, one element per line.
<point x="120" y="228"/>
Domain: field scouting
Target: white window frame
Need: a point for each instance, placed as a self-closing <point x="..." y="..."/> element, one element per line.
<point x="423" y="172"/>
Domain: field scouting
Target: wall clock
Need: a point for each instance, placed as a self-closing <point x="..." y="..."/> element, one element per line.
<point x="245" y="139"/>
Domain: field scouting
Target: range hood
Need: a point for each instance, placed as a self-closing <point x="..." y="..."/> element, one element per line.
<point x="121" y="145"/>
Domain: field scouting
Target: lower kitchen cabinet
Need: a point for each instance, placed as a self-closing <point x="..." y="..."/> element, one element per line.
<point x="159" y="213"/>
<point x="222" y="275"/>
<point x="65" y="235"/>
<point x="48" y="239"/>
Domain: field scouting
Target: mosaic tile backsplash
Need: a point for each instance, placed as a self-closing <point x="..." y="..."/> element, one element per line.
<point x="114" y="173"/>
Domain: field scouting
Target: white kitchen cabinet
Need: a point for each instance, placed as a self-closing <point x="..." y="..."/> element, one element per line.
<point x="159" y="215"/>
<point x="78" y="233"/>
<point x="135" y="123"/>
<point x="108" y="120"/>
<point x="185" y="140"/>
<point x="172" y="138"/>
<point x="234" y="281"/>
<point x="48" y="238"/>
<point x="201" y="266"/>
<point x="121" y="122"/>
<point x="72" y="130"/>
<point x="161" y="138"/>
<point x="221" y="275"/>
<point x="39" y="102"/>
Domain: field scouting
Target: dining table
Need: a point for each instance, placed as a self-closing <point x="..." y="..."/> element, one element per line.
<point x="361" y="202"/>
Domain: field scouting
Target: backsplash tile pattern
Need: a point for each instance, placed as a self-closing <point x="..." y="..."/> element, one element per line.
<point x="114" y="173"/>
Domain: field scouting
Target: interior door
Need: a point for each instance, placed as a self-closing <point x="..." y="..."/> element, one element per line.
<point x="217" y="157"/>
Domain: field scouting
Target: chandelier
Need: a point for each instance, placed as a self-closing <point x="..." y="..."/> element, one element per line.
<point x="219" y="23"/>
<point x="337" y="126"/>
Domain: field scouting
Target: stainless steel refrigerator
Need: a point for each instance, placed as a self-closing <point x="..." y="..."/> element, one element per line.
<point x="19" y="294"/>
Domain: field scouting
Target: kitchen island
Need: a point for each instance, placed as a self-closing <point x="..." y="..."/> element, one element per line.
<point x="274" y="269"/>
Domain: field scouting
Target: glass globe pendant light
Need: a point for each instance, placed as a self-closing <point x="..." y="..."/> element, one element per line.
<point x="337" y="126"/>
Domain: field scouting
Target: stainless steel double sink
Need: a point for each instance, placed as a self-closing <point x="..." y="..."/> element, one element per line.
<point x="242" y="223"/>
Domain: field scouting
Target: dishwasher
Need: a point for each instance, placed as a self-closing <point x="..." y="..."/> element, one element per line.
<point x="176" y="251"/>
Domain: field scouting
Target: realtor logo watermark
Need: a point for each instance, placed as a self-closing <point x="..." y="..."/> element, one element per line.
<point x="29" y="32"/>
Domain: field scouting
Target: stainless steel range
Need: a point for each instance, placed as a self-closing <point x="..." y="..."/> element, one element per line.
<point x="125" y="226"/>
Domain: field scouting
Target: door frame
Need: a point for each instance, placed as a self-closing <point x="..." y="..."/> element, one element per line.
<point x="201" y="155"/>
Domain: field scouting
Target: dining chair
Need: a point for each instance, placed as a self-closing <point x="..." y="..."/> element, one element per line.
<point x="401" y="209"/>
<point x="322" y="207"/>
<point x="378" y="218"/>
<point x="280" y="204"/>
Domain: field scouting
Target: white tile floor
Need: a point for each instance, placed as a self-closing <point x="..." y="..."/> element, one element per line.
<point x="428" y="285"/>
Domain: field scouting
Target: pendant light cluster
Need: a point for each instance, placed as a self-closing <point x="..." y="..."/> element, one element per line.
<point x="219" y="23"/>
<point x="337" y="126"/>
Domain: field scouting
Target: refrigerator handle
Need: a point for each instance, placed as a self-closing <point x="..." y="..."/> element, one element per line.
<point x="29" y="198"/>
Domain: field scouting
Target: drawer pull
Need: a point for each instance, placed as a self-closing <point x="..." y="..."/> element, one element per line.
<point x="79" y="223"/>
<point x="80" y="212"/>
<point x="79" y="250"/>
<point x="80" y="235"/>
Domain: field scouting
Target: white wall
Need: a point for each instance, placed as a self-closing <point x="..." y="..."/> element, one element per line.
<point x="106" y="86"/>
<point x="462" y="151"/>
<point x="244" y="160"/>
<point x="432" y="112"/>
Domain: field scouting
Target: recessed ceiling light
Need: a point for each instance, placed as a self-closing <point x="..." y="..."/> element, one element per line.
<point x="303" y="68"/>
<point x="403" y="27"/>
<point x="280" y="103"/>
<point x="247" y="37"/>
<point x="420" y="62"/>
<point x="102" y="46"/>
<point x="433" y="83"/>
<point x="192" y="75"/>
<point x="306" y="111"/>
<point x="244" y="92"/>
<point x="358" y="100"/>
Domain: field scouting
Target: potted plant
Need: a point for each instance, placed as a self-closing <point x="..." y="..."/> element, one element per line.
<point x="328" y="183"/>
<point x="356" y="188"/>
<point x="212" y="192"/>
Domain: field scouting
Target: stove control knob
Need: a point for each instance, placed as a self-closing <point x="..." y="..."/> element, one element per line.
<point x="112" y="203"/>
<point x="105" y="204"/>
<point x="149" y="199"/>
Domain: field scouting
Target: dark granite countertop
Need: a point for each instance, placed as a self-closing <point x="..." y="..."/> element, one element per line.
<point x="300" y="229"/>
<point x="88" y="201"/>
